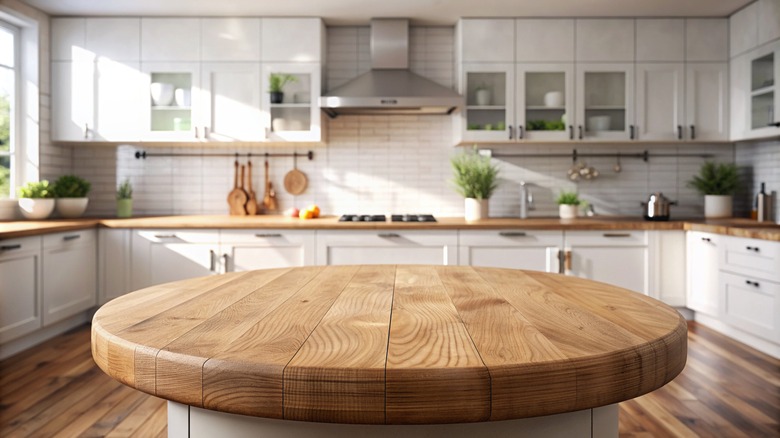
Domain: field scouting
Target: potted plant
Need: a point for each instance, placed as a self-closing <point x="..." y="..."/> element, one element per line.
<point x="36" y="200"/>
<point x="124" y="199"/>
<point x="276" y="83"/>
<point x="71" y="193"/>
<point x="475" y="179"/>
<point x="568" y="203"/>
<point x="717" y="182"/>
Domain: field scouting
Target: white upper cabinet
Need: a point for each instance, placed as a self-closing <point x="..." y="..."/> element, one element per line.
<point x="605" y="101"/>
<point x="487" y="40"/>
<point x="170" y="39"/>
<point x="707" y="101"/>
<point x="230" y="39"/>
<point x="768" y="20"/>
<point x="743" y="28"/>
<point x="544" y="40"/>
<point x="297" y="117"/>
<point x="660" y="101"/>
<point x="69" y="40"/>
<point x="231" y="97"/>
<point x="490" y="101"/>
<point x="117" y="39"/>
<point x="544" y="108"/>
<point x="170" y="115"/>
<point x="707" y="40"/>
<point x="660" y="40"/>
<point x="292" y="40"/>
<point x="605" y="40"/>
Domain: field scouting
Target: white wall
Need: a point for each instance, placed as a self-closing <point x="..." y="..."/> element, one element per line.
<point x="760" y="162"/>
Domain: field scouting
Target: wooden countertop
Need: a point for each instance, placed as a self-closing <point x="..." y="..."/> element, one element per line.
<point x="735" y="226"/>
<point x="390" y="344"/>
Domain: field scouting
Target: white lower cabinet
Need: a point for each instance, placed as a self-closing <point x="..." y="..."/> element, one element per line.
<point x="702" y="266"/>
<point x="244" y="250"/>
<point x="387" y="247"/>
<point x="514" y="249"/>
<point x="620" y="258"/>
<point x="113" y="263"/>
<point x="162" y="256"/>
<point x="20" y="288"/>
<point x="69" y="274"/>
<point x="751" y="304"/>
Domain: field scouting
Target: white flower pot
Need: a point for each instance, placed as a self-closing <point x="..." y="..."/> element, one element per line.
<point x="483" y="97"/>
<point x="476" y="209"/>
<point x="71" y="207"/>
<point x="8" y="209"/>
<point x="36" y="208"/>
<point x="566" y="211"/>
<point x="717" y="206"/>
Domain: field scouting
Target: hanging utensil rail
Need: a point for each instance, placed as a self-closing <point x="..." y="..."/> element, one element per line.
<point x="143" y="155"/>
<point x="645" y="155"/>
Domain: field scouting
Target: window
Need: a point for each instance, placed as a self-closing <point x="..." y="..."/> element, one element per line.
<point x="9" y="85"/>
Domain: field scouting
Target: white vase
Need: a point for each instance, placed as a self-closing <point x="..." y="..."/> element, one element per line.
<point x="71" y="207"/>
<point x="483" y="97"/>
<point x="566" y="211"/>
<point x="553" y="99"/>
<point x="36" y="208"/>
<point x="8" y="209"/>
<point x="718" y="206"/>
<point x="476" y="209"/>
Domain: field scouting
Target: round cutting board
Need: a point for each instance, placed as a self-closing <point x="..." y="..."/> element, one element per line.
<point x="295" y="182"/>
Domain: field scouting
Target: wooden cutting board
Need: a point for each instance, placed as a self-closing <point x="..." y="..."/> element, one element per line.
<point x="237" y="197"/>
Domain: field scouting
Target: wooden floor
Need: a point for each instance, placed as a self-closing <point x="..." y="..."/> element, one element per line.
<point x="55" y="390"/>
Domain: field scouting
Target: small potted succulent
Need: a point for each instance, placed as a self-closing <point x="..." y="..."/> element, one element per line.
<point x="36" y="200"/>
<point x="475" y="179"/>
<point x="568" y="204"/>
<point x="124" y="199"/>
<point x="276" y="83"/>
<point x="71" y="193"/>
<point x="717" y="182"/>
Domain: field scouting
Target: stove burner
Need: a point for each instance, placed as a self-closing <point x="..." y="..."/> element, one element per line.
<point x="413" y="218"/>
<point x="362" y="218"/>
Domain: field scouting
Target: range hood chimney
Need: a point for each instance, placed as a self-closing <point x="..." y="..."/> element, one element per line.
<point x="390" y="88"/>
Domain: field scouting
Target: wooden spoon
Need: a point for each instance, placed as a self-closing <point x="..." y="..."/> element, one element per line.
<point x="237" y="197"/>
<point x="251" y="203"/>
<point x="295" y="181"/>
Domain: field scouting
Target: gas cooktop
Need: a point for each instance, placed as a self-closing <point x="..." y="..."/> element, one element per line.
<point x="383" y="218"/>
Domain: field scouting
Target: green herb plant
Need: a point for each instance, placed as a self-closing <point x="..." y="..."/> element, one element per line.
<point x="716" y="179"/>
<point x="36" y="190"/>
<point x="475" y="176"/>
<point x="568" y="198"/>
<point x="71" y="186"/>
<point x="124" y="190"/>
<point x="277" y="81"/>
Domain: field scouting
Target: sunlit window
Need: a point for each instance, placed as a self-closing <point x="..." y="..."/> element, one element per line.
<point x="9" y="82"/>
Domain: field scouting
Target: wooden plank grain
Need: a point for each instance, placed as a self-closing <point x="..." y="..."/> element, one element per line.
<point x="338" y="375"/>
<point x="434" y="372"/>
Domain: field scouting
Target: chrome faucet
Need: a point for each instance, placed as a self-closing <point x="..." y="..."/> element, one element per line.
<point x="526" y="200"/>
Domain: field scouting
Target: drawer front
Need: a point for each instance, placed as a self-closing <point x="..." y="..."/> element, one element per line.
<point x="13" y="247"/>
<point x="69" y="239"/>
<point x="265" y="237"/>
<point x="751" y="304"/>
<point x="606" y="238"/>
<point x="752" y="257"/>
<point x="387" y="247"/>
<point x="180" y="236"/>
<point x="511" y="238"/>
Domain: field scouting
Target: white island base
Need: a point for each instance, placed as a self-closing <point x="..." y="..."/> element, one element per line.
<point x="190" y="422"/>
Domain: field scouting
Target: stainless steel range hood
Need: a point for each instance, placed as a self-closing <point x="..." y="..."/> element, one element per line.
<point x="390" y="88"/>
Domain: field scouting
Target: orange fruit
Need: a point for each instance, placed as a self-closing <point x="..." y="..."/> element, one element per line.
<point x="306" y="214"/>
<point x="315" y="210"/>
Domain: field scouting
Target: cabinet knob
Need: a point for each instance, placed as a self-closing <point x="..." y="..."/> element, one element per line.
<point x="753" y="248"/>
<point x="752" y="283"/>
<point x="706" y="239"/>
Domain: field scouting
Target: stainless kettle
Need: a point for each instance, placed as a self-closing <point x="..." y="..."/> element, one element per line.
<point x="657" y="207"/>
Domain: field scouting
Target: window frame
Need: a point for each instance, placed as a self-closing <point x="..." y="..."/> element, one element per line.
<point x="14" y="146"/>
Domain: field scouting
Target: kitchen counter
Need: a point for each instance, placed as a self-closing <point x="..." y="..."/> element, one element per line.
<point x="390" y="344"/>
<point x="734" y="227"/>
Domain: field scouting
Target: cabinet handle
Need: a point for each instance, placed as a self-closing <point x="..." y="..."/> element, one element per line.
<point x="616" y="234"/>
<point x="212" y="260"/>
<point x="512" y="233"/>
<point x="206" y="132"/>
<point x="165" y="236"/>
<point x="511" y="132"/>
<point x="267" y="235"/>
<point x="10" y="247"/>
<point x="197" y="132"/>
<point x="752" y="283"/>
<point x="560" y="261"/>
<point x="86" y="131"/>
<point x="775" y="124"/>
<point x="580" y="129"/>
<point x="520" y="132"/>
<point x="567" y="256"/>
<point x="753" y="248"/>
<point x="71" y="237"/>
<point x="571" y="132"/>
<point x="679" y="132"/>
<point x="389" y="235"/>
<point x="706" y="239"/>
<point x="226" y="263"/>
<point x="632" y="132"/>
<point x="693" y="132"/>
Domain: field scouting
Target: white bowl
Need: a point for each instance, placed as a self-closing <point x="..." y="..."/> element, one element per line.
<point x="553" y="99"/>
<point x="599" y="123"/>
<point x="183" y="97"/>
<point x="162" y="93"/>
<point x="71" y="207"/>
<point x="36" y="208"/>
<point x="8" y="209"/>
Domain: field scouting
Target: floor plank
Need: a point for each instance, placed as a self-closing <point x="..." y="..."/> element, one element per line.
<point x="55" y="390"/>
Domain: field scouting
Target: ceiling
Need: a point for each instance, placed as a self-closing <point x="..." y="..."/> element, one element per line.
<point x="428" y="12"/>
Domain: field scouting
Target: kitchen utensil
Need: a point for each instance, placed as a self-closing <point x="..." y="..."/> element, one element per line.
<point x="657" y="207"/>
<point x="764" y="205"/>
<point x="237" y="197"/>
<point x="617" y="167"/>
<point x="269" y="198"/>
<point x="295" y="181"/>
<point x="526" y="200"/>
<point x="251" y="203"/>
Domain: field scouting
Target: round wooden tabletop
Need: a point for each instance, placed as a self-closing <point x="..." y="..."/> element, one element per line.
<point x="390" y="344"/>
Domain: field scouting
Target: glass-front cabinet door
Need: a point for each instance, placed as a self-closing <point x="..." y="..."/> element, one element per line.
<point x="605" y="102"/>
<point x="291" y="102"/>
<point x="170" y="111"/>
<point x="545" y="102"/>
<point x="489" y="112"/>
<point x="764" y="105"/>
